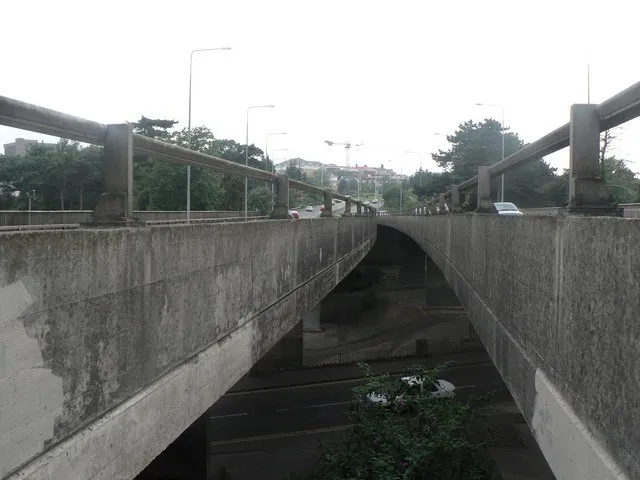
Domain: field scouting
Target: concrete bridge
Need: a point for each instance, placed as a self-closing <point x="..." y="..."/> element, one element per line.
<point x="116" y="335"/>
<point x="113" y="341"/>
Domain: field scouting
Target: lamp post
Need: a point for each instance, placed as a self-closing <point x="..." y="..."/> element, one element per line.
<point x="266" y="146"/>
<point x="189" y="124"/>
<point x="246" y="159"/>
<point x="502" y="132"/>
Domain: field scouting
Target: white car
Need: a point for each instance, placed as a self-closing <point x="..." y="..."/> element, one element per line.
<point x="308" y="208"/>
<point x="438" y="388"/>
<point x="507" y="209"/>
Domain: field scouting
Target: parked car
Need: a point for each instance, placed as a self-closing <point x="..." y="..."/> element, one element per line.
<point x="308" y="208"/>
<point x="507" y="209"/>
<point x="437" y="388"/>
<point x="294" y="214"/>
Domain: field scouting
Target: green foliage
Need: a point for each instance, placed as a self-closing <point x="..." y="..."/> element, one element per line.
<point x="417" y="436"/>
<point x="65" y="177"/>
<point x="475" y="144"/>
<point x="260" y="199"/>
<point x="391" y="193"/>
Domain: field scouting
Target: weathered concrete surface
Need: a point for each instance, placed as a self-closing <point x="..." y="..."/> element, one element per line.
<point x="113" y="341"/>
<point x="555" y="300"/>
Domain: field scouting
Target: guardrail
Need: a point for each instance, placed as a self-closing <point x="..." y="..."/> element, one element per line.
<point x="587" y="192"/>
<point x="115" y="206"/>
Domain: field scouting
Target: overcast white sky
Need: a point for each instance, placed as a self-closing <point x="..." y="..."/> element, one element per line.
<point x="389" y="74"/>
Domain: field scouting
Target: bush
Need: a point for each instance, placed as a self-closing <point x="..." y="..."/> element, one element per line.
<point x="415" y="437"/>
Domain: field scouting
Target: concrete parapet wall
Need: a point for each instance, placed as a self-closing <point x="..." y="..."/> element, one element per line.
<point x="555" y="301"/>
<point x="113" y="341"/>
<point x="51" y="217"/>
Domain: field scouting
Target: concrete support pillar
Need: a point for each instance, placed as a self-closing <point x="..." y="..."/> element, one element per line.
<point x="115" y="205"/>
<point x="358" y="209"/>
<point x="311" y="320"/>
<point x="442" y="204"/>
<point x="347" y="207"/>
<point x="455" y="200"/>
<point x="485" y="204"/>
<point x="285" y="355"/>
<point x="588" y="193"/>
<point x="281" y="204"/>
<point x="327" y="204"/>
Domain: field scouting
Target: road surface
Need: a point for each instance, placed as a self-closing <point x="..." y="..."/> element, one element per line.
<point x="270" y="432"/>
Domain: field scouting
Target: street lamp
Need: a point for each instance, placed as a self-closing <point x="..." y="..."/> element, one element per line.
<point x="420" y="156"/>
<point x="189" y="125"/>
<point x="266" y="147"/>
<point x="502" y="132"/>
<point x="246" y="159"/>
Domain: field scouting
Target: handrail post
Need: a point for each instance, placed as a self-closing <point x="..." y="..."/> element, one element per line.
<point x="442" y="203"/>
<point x="281" y="203"/>
<point x="326" y="212"/>
<point x="358" y="209"/>
<point x="115" y="205"/>
<point x="347" y="207"/>
<point x="455" y="199"/>
<point x="485" y="204"/>
<point x="588" y="193"/>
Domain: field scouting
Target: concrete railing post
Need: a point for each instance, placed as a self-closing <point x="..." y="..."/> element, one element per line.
<point x="326" y="212"/>
<point x="358" y="209"/>
<point x="281" y="203"/>
<point x="485" y="204"/>
<point x="455" y="200"/>
<point x="347" y="207"/>
<point x="588" y="193"/>
<point x="115" y="205"/>
<point x="442" y="204"/>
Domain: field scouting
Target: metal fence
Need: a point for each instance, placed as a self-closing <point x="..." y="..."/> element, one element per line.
<point x="115" y="205"/>
<point x="587" y="192"/>
<point x="419" y="349"/>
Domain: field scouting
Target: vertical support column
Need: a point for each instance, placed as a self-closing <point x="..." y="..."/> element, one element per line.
<point x="485" y="204"/>
<point x="327" y="204"/>
<point x="115" y="205"/>
<point x="347" y="207"/>
<point x="442" y="204"/>
<point x="588" y="193"/>
<point x="358" y="209"/>
<point x="455" y="199"/>
<point x="281" y="204"/>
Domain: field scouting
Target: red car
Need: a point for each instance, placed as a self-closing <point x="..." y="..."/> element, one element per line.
<point x="294" y="214"/>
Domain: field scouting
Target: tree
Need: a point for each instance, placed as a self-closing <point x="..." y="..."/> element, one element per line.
<point x="391" y="194"/>
<point x="475" y="144"/>
<point x="261" y="199"/>
<point x="416" y="436"/>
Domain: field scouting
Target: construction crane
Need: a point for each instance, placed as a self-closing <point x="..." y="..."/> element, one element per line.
<point x="347" y="146"/>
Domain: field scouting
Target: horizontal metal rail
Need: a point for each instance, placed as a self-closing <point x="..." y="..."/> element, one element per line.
<point x="615" y="111"/>
<point x="25" y="116"/>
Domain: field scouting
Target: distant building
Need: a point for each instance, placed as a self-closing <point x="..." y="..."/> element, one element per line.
<point x="21" y="146"/>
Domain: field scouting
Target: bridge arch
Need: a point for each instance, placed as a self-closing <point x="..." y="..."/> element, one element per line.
<point x="530" y="287"/>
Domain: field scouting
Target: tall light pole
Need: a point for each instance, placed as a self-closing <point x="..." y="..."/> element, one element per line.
<point x="189" y="125"/>
<point x="420" y="154"/>
<point x="246" y="159"/>
<point x="266" y="146"/>
<point x="502" y="132"/>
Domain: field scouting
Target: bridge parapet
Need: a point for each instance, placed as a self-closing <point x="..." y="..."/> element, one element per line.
<point x="555" y="302"/>
<point x="114" y="340"/>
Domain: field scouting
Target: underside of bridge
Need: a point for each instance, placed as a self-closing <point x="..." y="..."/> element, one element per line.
<point x="548" y="298"/>
<point x="114" y="341"/>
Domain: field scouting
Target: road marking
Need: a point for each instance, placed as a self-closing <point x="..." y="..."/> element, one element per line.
<point x="328" y="404"/>
<point x="228" y="416"/>
<point x="337" y="382"/>
<point x="281" y="435"/>
<point x="282" y="409"/>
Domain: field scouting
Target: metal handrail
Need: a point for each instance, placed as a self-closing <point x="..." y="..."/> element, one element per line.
<point x="17" y="114"/>
<point x="620" y="108"/>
